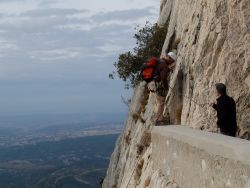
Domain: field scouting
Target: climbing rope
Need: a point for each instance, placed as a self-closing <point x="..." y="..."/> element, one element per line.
<point x="202" y="105"/>
<point x="191" y="99"/>
<point x="137" y="162"/>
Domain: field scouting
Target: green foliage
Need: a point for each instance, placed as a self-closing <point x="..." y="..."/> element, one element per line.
<point x="149" y="43"/>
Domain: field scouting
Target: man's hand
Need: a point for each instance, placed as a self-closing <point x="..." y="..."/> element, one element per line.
<point x="212" y="104"/>
<point x="172" y="66"/>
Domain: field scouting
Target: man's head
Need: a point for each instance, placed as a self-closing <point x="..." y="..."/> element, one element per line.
<point x="170" y="58"/>
<point x="221" y="89"/>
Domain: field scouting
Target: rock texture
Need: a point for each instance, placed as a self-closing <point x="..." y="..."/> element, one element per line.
<point x="213" y="158"/>
<point x="125" y="169"/>
<point x="214" y="47"/>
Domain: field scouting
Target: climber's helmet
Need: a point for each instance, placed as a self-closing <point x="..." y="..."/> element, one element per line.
<point x="173" y="56"/>
<point x="170" y="58"/>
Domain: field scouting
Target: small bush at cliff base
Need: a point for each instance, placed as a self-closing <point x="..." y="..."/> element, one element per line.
<point x="144" y="142"/>
<point x="128" y="138"/>
<point x="149" y="43"/>
<point x="139" y="170"/>
<point x="146" y="139"/>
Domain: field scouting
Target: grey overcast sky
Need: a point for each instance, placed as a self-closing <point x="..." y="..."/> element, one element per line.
<point x="55" y="55"/>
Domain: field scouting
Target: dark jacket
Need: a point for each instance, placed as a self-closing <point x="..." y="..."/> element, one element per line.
<point x="226" y="113"/>
<point x="163" y="71"/>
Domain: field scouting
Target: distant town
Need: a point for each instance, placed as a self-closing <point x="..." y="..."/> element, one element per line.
<point x="63" y="150"/>
<point x="62" y="133"/>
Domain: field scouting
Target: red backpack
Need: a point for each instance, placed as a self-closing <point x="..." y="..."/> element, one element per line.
<point x="148" y="72"/>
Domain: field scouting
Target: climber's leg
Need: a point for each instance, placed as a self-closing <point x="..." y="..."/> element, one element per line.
<point x="159" y="108"/>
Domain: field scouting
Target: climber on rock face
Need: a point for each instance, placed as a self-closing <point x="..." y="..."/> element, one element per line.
<point x="226" y="111"/>
<point x="165" y="67"/>
<point x="156" y="73"/>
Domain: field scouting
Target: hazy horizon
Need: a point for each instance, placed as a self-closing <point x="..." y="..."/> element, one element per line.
<point x="55" y="55"/>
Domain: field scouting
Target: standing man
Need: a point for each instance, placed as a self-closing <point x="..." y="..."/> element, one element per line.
<point x="226" y="111"/>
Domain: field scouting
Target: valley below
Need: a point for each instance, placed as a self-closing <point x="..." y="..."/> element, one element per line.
<point x="59" y="155"/>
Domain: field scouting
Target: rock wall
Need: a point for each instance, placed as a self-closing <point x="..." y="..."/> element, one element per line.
<point x="214" y="47"/>
<point x="124" y="169"/>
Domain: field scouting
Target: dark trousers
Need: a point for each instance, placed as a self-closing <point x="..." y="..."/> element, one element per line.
<point x="228" y="133"/>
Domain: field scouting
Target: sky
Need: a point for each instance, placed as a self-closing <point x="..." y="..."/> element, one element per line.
<point x="55" y="55"/>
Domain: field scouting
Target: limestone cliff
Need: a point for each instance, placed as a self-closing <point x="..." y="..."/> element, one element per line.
<point x="214" y="47"/>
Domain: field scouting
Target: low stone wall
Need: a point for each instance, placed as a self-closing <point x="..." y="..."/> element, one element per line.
<point x="199" y="159"/>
